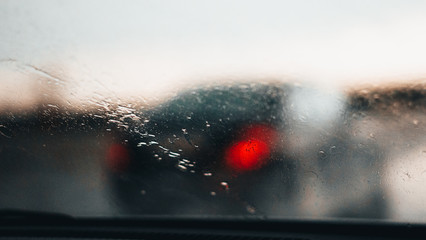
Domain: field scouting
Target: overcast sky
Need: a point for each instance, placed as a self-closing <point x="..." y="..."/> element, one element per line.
<point x="147" y="47"/>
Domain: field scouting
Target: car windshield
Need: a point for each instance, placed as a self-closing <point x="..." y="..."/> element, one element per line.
<point x="276" y="109"/>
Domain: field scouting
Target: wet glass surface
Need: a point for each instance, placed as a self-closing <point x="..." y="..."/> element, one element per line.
<point x="131" y="109"/>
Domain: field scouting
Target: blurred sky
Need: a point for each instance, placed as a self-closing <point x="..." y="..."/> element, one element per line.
<point x="146" y="48"/>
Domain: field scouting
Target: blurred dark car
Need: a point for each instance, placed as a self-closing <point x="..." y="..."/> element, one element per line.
<point x="225" y="150"/>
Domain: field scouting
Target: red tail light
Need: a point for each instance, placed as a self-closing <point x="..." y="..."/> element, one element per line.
<point x="117" y="158"/>
<point x="247" y="155"/>
<point x="253" y="149"/>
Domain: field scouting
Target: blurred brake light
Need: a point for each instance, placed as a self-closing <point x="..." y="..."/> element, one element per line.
<point x="253" y="149"/>
<point x="247" y="155"/>
<point x="118" y="158"/>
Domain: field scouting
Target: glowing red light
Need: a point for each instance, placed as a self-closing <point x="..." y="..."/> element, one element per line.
<point x="253" y="148"/>
<point x="118" y="157"/>
<point x="247" y="155"/>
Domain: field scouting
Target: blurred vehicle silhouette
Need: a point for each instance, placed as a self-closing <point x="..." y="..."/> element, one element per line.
<point x="247" y="149"/>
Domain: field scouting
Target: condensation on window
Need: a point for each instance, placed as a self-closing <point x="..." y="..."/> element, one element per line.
<point x="140" y="115"/>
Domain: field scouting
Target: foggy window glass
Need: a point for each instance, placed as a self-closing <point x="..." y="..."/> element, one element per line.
<point x="280" y="109"/>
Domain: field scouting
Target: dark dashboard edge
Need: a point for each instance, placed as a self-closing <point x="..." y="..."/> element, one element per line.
<point x="133" y="227"/>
